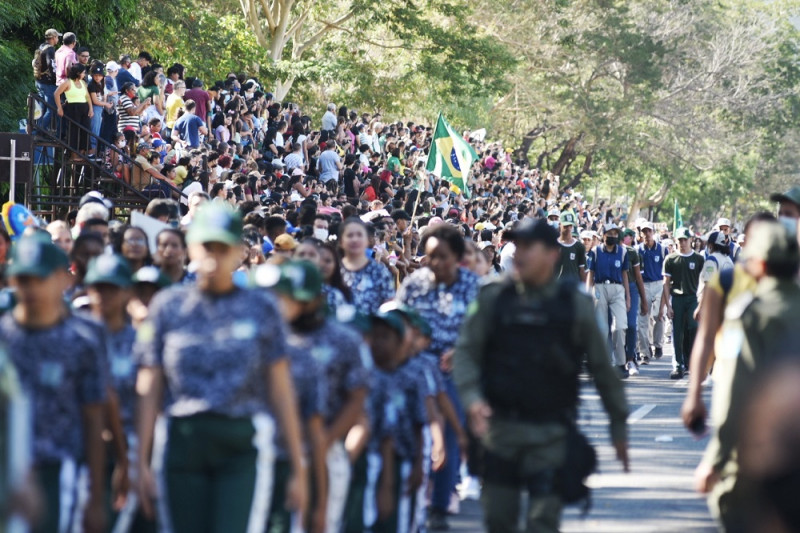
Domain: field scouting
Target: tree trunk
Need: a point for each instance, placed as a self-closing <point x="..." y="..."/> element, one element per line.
<point x="567" y="155"/>
<point x="527" y="142"/>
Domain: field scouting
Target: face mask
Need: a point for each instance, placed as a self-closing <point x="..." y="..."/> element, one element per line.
<point x="321" y="234"/>
<point x="122" y="144"/>
<point x="553" y="223"/>
<point x="611" y="241"/>
<point x="790" y="224"/>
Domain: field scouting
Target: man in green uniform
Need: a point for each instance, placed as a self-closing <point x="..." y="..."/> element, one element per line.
<point x="521" y="400"/>
<point x="758" y="329"/>
<point x="681" y="277"/>
<point x="572" y="261"/>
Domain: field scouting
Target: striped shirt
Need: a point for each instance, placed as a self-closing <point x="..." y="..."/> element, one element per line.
<point x="126" y="118"/>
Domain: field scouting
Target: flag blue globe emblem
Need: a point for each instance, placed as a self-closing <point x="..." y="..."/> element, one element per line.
<point x="454" y="159"/>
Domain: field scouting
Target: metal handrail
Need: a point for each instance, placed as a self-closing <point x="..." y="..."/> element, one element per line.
<point x="47" y="133"/>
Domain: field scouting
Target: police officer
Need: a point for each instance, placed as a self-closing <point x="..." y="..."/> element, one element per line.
<point x="572" y="261"/>
<point x="608" y="275"/>
<point x="651" y="329"/>
<point x="516" y="368"/>
<point x="758" y="328"/>
<point x="681" y="278"/>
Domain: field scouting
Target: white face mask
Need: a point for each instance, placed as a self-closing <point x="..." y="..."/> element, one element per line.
<point x="321" y="234"/>
<point x="553" y="223"/>
<point x="122" y="144"/>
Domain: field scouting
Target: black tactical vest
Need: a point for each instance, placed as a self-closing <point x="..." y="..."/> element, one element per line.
<point x="531" y="368"/>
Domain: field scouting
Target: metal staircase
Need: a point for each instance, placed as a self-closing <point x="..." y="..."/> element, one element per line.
<point x="62" y="175"/>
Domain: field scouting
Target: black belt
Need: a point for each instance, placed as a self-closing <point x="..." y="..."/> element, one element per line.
<point x="609" y="282"/>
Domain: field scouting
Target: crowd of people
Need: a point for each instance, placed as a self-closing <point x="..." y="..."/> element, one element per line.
<point x="281" y="357"/>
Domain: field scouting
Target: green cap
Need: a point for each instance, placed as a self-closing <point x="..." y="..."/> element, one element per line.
<point x="300" y="280"/>
<point x="393" y="319"/>
<point x="410" y="314"/>
<point x="683" y="233"/>
<point x="152" y="275"/>
<point x="628" y="232"/>
<point x="567" y="218"/>
<point x="792" y="195"/>
<point x="110" y="269"/>
<point x="215" y="222"/>
<point x="36" y="255"/>
<point x="771" y="242"/>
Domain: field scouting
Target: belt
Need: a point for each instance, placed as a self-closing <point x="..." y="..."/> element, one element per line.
<point x="610" y="282"/>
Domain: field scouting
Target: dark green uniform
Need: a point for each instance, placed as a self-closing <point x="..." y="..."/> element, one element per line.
<point x="536" y="447"/>
<point x="573" y="258"/>
<point x="754" y="333"/>
<point x="682" y="272"/>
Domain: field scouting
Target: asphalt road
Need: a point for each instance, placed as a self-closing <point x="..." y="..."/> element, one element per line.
<point x="657" y="495"/>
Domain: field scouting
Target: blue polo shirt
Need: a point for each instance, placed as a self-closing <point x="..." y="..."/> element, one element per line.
<point x="608" y="266"/>
<point x="652" y="262"/>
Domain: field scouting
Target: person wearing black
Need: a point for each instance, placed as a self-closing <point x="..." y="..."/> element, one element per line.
<point x="44" y="71"/>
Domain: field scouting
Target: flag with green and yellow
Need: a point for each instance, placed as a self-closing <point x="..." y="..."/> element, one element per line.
<point x="451" y="157"/>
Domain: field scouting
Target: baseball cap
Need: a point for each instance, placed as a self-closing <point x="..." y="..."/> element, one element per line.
<point x="628" y="232"/>
<point x="284" y="243"/>
<point x="52" y="33"/>
<point x="143" y="146"/>
<point x="718" y="238"/>
<point x="646" y="225"/>
<point x="215" y="222"/>
<point x="532" y="230"/>
<point x="393" y="318"/>
<point x="300" y="280"/>
<point x="683" y="233"/>
<point x="95" y="197"/>
<point x="197" y="83"/>
<point x="409" y="314"/>
<point x="152" y="275"/>
<point x="792" y="195"/>
<point x="724" y="222"/>
<point x="771" y="242"/>
<point x="112" y="66"/>
<point x="36" y="255"/>
<point x="587" y="234"/>
<point x="111" y="269"/>
<point x="553" y="213"/>
<point x="567" y="219"/>
<point x="298" y="172"/>
<point x="610" y="227"/>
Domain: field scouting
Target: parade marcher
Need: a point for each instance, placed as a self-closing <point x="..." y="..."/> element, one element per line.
<point x="758" y="328"/>
<point x="213" y="446"/>
<point x="441" y="293"/>
<point x="299" y="287"/>
<point x="344" y="365"/>
<point x="572" y="263"/>
<point x="108" y="281"/>
<point x="516" y="368"/>
<point x="62" y="364"/>
<point x="681" y="278"/>
<point x="638" y="308"/>
<point x="724" y="226"/>
<point x="788" y="206"/>
<point x="717" y="259"/>
<point x="651" y="329"/>
<point x="369" y="281"/>
<point x="607" y="280"/>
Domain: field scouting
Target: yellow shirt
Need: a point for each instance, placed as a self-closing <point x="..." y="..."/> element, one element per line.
<point x="77" y="93"/>
<point x="174" y="103"/>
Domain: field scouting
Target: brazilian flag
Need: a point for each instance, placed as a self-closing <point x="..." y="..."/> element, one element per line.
<point x="451" y="157"/>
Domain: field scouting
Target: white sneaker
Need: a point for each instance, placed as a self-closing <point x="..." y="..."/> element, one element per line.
<point x="707" y="381"/>
<point x="470" y="489"/>
<point x="633" y="368"/>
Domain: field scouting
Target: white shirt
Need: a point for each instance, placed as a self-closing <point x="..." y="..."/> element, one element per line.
<point x="136" y="71"/>
<point x="507" y="257"/>
<point x="329" y="121"/>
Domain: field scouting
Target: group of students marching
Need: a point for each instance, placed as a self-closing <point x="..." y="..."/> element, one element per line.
<point x="226" y="409"/>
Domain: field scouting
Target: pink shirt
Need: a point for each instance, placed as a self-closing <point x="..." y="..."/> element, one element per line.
<point x="65" y="57"/>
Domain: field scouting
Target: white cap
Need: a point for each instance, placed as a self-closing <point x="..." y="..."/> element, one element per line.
<point x="610" y="227"/>
<point x="553" y="213"/>
<point x="112" y="66"/>
<point x="587" y="234"/>
<point x="724" y="222"/>
<point x="646" y="225"/>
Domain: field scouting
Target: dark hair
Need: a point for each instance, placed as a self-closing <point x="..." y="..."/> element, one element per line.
<point x="274" y="222"/>
<point x="161" y="207"/>
<point x="149" y="79"/>
<point x="189" y="105"/>
<point x="75" y="71"/>
<point x="448" y="234"/>
<point x="70" y="38"/>
<point x="85" y="238"/>
<point x="337" y="281"/>
<point x="172" y="231"/>
<point x="146" y="56"/>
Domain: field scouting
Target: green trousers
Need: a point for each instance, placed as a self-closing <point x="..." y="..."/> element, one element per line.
<point x="684" y="327"/>
<point x="215" y="473"/>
